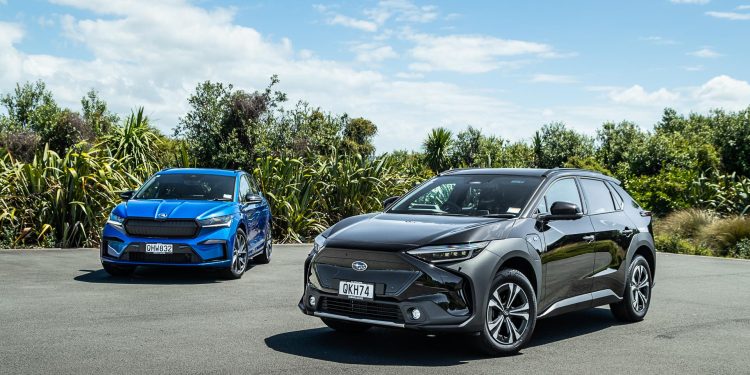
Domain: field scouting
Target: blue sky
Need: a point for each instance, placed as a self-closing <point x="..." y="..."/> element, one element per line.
<point x="506" y="67"/>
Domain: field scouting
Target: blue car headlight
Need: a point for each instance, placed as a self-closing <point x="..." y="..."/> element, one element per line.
<point x="115" y="220"/>
<point x="216" y="221"/>
<point x="448" y="253"/>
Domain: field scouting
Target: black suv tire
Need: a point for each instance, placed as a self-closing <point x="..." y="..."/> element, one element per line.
<point x="634" y="304"/>
<point x="522" y="300"/>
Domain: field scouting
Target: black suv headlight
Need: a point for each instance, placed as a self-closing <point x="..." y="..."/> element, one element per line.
<point x="448" y="253"/>
<point x="319" y="244"/>
<point x="217" y="221"/>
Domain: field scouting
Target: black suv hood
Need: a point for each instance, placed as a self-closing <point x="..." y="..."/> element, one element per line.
<point x="396" y="232"/>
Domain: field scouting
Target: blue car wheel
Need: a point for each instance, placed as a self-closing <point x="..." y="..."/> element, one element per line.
<point x="239" y="256"/>
<point x="265" y="256"/>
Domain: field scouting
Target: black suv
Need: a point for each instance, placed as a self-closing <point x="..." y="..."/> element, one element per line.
<point x="485" y="251"/>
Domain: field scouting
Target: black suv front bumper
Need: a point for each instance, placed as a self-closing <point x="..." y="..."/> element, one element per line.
<point x="402" y="283"/>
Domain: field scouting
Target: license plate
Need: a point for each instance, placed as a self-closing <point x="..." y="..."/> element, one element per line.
<point x="159" y="248"/>
<point x="356" y="290"/>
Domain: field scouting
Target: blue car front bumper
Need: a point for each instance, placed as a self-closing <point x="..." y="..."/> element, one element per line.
<point x="211" y="247"/>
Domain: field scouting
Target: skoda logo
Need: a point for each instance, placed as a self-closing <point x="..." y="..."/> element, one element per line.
<point x="359" y="265"/>
<point x="161" y="215"/>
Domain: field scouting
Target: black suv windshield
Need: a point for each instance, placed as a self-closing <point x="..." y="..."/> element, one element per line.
<point x="188" y="187"/>
<point x="470" y="195"/>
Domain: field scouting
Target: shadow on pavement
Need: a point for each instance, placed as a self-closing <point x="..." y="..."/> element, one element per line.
<point x="381" y="346"/>
<point x="156" y="275"/>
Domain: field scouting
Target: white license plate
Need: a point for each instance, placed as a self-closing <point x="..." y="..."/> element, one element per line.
<point x="356" y="290"/>
<point x="159" y="248"/>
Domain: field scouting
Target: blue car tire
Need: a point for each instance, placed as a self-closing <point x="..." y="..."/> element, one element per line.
<point x="239" y="256"/>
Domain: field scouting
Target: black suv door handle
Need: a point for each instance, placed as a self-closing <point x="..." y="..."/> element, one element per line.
<point x="627" y="231"/>
<point x="590" y="238"/>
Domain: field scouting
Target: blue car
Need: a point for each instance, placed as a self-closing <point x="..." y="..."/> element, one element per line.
<point x="189" y="217"/>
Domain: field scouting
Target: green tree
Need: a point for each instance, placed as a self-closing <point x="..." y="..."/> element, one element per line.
<point x="96" y="113"/>
<point x="224" y="127"/>
<point x="437" y="148"/>
<point x="554" y="144"/>
<point x="30" y="107"/>
<point x="358" y="135"/>
<point x="618" y="144"/>
<point x="732" y="139"/>
<point x="467" y="147"/>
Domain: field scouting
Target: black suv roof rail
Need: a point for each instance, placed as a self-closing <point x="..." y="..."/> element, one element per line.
<point x="454" y="170"/>
<point x="565" y="169"/>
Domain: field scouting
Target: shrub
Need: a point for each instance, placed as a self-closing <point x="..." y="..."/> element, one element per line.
<point x="676" y="245"/>
<point x="724" y="235"/>
<point x="685" y="223"/>
<point x="742" y="249"/>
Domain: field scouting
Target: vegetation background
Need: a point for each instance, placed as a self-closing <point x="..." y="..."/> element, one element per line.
<point x="61" y="169"/>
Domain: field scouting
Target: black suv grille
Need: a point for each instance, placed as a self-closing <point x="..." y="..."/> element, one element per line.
<point x="163" y="228"/>
<point x="362" y="309"/>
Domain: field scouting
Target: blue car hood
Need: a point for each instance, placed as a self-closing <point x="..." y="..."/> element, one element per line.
<point x="173" y="209"/>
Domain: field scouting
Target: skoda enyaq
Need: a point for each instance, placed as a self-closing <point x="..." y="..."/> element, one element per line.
<point x="189" y="217"/>
<point x="488" y="252"/>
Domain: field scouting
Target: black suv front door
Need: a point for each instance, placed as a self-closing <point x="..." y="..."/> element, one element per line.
<point x="569" y="255"/>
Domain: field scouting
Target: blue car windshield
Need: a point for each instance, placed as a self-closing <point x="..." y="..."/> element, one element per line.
<point x="188" y="187"/>
<point x="470" y="195"/>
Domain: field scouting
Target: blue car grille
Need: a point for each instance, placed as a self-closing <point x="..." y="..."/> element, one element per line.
<point x="161" y="228"/>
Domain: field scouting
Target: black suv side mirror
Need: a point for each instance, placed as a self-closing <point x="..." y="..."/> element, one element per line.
<point x="126" y="195"/>
<point x="251" y="198"/>
<point x="389" y="201"/>
<point x="563" y="211"/>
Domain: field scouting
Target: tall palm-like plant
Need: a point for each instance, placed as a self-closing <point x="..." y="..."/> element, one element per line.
<point x="437" y="149"/>
<point x="135" y="142"/>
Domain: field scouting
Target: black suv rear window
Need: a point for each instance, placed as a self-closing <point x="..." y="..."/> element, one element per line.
<point x="598" y="196"/>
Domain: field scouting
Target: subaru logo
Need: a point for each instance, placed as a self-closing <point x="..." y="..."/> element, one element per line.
<point x="359" y="265"/>
<point x="161" y="215"/>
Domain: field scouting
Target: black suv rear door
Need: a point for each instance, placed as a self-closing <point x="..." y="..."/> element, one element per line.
<point x="614" y="231"/>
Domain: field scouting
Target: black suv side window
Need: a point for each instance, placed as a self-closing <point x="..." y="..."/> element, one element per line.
<point x="244" y="187"/>
<point x="598" y="196"/>
<point x="564" y="190"/>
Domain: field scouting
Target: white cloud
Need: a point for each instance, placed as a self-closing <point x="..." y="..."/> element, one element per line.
<point x="354" y="23"/>
<point x="470" y="53"/>
<point x="743" y="7"/>
<point x="659" y="40"/>
<point x="723" y="92"/>
<point x="706" y="53"/>
<point x="701" y="2"/>
<point x="153" y="54"/>
<point x="373" y="53"/>
<point x="403" y="11"/>
<point x="552" y="78"/>
<point x="693" y="68"/>
<point x="719" y="92"/>
<point x="733" y="16"/>
<point x="637" y="95"/>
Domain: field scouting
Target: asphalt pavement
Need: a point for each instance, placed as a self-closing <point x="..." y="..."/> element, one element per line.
<point x="61" y="313"/>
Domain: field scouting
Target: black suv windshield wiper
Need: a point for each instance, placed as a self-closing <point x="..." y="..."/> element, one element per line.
<point x="505" y="216"/>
